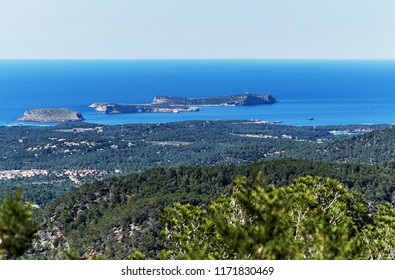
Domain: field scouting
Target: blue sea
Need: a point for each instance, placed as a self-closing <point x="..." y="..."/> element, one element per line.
<point x="331" y="92"/>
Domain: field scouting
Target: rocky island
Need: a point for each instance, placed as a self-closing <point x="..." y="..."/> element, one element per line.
<point x="230" y="100"/>
<point x="116" y="108"/>
<point x="176" y="104"/>
<point x="51" y="115"/>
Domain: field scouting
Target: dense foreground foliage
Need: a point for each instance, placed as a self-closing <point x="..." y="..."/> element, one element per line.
<point x="312" y="218"/>
<point x="17" y="226"/>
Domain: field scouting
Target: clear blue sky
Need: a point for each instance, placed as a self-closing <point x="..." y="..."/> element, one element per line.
<point x="197" y="29"/>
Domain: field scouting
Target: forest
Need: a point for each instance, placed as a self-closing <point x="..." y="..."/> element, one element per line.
<point x="119" y="216"/>
<point x="66" y="156"/>
<point x="201" y="190"/>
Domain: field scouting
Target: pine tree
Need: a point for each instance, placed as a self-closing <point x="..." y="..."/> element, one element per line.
<point x="17" y="227"/>
<point x="312" y="218"/>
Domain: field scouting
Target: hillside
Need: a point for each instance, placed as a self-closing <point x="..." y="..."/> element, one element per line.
<point x="116" y="216"/>
<point x="369" y="148"/>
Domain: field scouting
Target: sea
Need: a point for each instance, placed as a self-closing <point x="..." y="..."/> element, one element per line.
<point x="309" y="92"/>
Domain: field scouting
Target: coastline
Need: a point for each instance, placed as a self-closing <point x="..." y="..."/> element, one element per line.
<point x="272" y="113"/>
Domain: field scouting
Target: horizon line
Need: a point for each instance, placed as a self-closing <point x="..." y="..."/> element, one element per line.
<point x="196" y="59"/>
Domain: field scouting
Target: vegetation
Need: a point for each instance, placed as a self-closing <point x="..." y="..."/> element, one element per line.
<point x="120" y="216"/>
<point x="180" y="202"/>
<point x="17" y="227"/>
<point x="312" y="218"/>
<point x="68" y="155"/>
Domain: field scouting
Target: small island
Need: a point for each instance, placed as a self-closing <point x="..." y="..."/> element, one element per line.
<point x="51" y="115"/>
<point x="176" y="104"/>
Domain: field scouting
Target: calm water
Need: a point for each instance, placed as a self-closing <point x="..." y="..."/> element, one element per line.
<point x="331" y="92"/>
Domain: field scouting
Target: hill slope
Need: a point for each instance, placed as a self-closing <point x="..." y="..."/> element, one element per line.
<point x="116" y="216"/>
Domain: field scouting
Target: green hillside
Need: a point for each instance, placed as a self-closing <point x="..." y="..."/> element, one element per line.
<point x="116" y="216"/>
<point x="102" y="190"/>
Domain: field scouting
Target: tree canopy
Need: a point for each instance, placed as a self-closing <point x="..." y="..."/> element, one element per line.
<point x="311" y="218"/>
<point x="17" y="226"/>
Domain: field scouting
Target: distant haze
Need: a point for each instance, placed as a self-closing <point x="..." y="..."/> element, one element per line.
<point x="196" y="29"/>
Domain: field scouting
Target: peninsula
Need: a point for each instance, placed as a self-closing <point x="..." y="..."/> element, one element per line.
<point x="51" y="115"/>
<point x="176" y="104"/>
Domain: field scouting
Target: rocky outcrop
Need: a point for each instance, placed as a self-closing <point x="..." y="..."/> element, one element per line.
<point x="230" y="100"/>
<point x="51" y="115"/>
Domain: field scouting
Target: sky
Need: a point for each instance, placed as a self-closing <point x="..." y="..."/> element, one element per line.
<point x="203" y="29"/>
